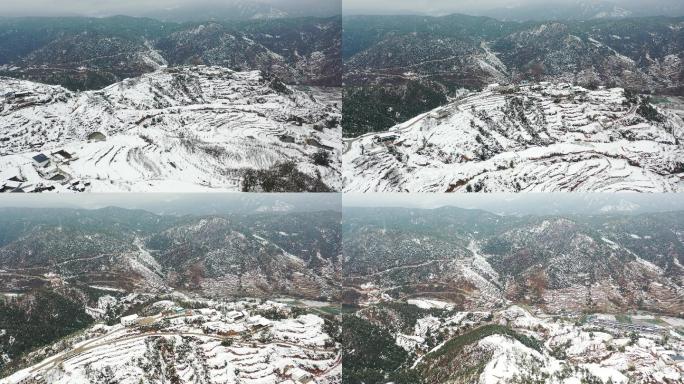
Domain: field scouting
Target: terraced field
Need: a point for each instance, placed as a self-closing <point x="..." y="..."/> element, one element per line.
<point x="224" y="342"/>
<point x="531" y="138"/>
<point x="190" y="128"/>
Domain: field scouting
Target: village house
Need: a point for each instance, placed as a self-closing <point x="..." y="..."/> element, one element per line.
<point x="379" y="139"/>
<point x="97" y="136"/>
<point x="128" y="321"/>
<point x="41" y="161"/>
<point x="439" y="113"/>
<point x="46" y="168"/>
<point x="63" y="156"/>
<point x="297" y="374"/>
<point x="233" y="316"/>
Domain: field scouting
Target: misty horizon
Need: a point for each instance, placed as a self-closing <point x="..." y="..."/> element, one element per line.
<point x="178" y="203"/>
<point x="511" y="10"/>
<point x="523" y="204"/>
<point x="188" y="10"/>
<point x="174" y="10"/>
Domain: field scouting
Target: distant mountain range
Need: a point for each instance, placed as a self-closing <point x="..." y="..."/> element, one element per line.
<point x="569" y="10"/>
<point x="90" y="53"/>
<point x="246" y="10"/>
<point x="185" y="11"/>
<point x="294" y="254"/>
<point x="585" y="10"/>
<point x="478" y="260"/>
<point x="535" y="10"/>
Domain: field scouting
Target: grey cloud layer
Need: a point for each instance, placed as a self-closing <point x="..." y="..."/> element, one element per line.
<point x="432" y="7"/>
<point x="141" y="7"/>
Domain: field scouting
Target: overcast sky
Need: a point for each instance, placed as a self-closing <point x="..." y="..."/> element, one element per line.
<point x="305" y="7"/>
<point x="99" y="8"/>
<point x="525" y="203"/>
<point x="441" y="7"/>
<point x="420" y="6"/>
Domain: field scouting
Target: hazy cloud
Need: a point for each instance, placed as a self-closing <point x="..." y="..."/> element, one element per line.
<point x="180" y="203"/>
<point x="99" y="8"/>
<point x="419" y="6"/>
<point x="524" y="203"/>
<point x="442" y="7"/>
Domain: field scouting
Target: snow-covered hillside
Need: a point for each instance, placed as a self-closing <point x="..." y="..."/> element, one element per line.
<point x="190" y="128"/>
<point x="220" y="342"/>
<point x="540" y="137"/>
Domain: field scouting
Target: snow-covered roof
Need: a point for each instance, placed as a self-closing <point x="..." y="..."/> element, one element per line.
<point x="129" y="318"/>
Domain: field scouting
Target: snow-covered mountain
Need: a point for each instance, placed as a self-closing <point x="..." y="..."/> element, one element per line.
<point x="61" y="270"/>
<point x="538" y="137"/>
<point x="90" y="53"/>
<point x="225" y="10"/>
<point x="616" y="263"/>
<point x="620" y="206"/>
<point x="223" y="256"/>
<point x="438" y="344"/>
<point x="460" y="296"/>
<point x="187" y="128"/>
<point x="397" y="67"/>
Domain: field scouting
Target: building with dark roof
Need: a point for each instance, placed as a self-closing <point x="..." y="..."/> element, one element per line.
<point x="41" y="160"/>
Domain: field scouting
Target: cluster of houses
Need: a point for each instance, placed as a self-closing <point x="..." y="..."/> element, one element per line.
<point x="625" y="327"/>
<point x="234" y="323"/>
<point x="175" y="311"/>
<point x="47" y="166"/>
<point x="19" y="184"/>
<point x="16" y="184"/>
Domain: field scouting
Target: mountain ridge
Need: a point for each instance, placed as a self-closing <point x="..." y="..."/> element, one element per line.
<point x="557" y="263"/>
